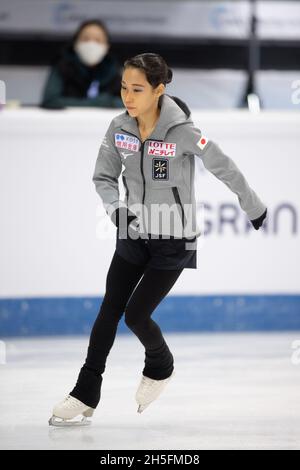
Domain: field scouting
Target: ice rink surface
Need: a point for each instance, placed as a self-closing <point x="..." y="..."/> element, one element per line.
<point x="230" y="391"/>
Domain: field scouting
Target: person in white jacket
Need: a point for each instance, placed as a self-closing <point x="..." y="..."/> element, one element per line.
<point x="155" y="140"/>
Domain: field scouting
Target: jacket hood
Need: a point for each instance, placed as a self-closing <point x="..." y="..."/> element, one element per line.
<point x="182" y="105"/>
<point x="173" y="112"/>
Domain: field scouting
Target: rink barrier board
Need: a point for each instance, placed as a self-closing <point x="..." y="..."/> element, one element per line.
<point x="75" y="315"/>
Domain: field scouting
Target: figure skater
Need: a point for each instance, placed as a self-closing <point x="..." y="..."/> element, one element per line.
<point x="155" y="140"/>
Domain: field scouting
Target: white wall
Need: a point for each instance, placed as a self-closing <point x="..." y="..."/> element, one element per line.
<point x="50" y="210"/>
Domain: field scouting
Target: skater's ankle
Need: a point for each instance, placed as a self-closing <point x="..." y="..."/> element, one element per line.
<point x="92" y="370"/>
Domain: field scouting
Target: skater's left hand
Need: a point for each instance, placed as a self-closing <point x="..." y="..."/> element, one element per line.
<point x="258" y="222"/>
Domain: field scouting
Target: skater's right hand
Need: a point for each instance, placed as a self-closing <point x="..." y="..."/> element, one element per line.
<point x="121" y="216"/>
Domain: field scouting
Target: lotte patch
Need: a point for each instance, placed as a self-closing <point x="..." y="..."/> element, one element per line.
<point x="161" y="149"/>
<point x="160" y="169"/>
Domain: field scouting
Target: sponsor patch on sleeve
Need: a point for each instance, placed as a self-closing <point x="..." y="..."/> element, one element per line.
<point x="202" y="142"/>
<point x="104" y="142"/>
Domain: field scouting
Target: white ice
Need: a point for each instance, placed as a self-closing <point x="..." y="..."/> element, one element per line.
<point x="230" y="391"/>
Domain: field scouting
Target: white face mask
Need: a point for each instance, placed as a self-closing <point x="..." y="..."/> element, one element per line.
<point x="90" y="52"/>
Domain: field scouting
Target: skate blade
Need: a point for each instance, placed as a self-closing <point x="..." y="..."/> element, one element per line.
<point x="59" y="422"/>
<point x="141" y="408"/>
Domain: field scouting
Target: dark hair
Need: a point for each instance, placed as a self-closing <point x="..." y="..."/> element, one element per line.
<point x="154" y="66"/>
<point x="85" y="23"/>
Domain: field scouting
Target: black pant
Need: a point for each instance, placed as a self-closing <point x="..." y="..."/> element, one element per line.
<point x="138" y="302"/>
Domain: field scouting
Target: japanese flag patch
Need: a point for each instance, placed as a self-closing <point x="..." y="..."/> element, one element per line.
<point x="202" y="142"/>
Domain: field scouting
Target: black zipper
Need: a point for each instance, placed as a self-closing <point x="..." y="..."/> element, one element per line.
<point x="178" y="201"/>
<point x="142" y="170"/>
<point x="126" y="187"/>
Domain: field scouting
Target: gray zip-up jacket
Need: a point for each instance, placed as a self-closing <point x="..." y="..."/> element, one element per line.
<point x="158" y="174"/>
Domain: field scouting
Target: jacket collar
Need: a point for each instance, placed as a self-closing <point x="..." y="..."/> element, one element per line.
<point x="170" y="115"/>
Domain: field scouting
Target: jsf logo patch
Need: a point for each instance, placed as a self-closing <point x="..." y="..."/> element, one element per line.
<point x="161" y="149"/>
<point x="127" y="142"/>
<point x="160" y="169"/>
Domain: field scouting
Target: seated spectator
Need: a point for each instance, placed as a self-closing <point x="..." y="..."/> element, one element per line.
<point x="86" y="74"/>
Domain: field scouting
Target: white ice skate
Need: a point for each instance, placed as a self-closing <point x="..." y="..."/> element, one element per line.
<point x="70" y="408"/>
<point x="149" y="390"/>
